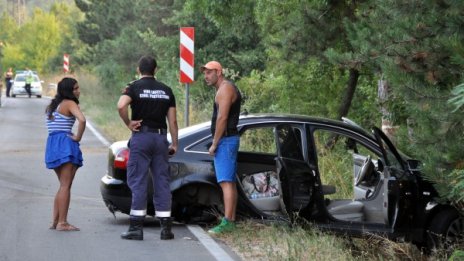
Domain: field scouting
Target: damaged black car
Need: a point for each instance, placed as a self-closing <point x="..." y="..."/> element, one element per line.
<point x="331" y="173"/>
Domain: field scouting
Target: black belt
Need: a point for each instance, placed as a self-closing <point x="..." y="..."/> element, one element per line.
<point x="230" y="133"/>
<point x="154" y="130"/>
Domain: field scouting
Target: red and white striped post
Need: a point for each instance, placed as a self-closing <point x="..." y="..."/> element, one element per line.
<point x="186" y="63"/>
<point x="66" y="63"/>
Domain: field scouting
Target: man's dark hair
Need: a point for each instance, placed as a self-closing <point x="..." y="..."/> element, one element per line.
<point x="147" y="65"/>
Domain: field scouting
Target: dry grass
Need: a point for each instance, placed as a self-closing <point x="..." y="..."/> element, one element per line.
<point x="99" y="104"/>
<point x="256" y="241"/>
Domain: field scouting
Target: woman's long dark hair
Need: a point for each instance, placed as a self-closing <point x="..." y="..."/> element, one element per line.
<point x="64" y="92"/>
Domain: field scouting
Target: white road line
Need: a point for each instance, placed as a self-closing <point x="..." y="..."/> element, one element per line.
<point x="209" y="243"/>
<point x="98" y="135"/>
<point x="197" y="231"/>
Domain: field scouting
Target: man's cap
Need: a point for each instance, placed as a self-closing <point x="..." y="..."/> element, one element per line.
<point x="212" y="65"/>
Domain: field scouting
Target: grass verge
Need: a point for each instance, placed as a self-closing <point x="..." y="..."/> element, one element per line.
<point x="256" y="241"/>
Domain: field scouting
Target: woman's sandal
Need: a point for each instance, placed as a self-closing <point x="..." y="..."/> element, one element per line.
<point x="53" y="226"/>
<point x="65" y="226"/>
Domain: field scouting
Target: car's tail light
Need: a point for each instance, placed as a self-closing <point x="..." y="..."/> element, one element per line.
<point x="121" y="158"/>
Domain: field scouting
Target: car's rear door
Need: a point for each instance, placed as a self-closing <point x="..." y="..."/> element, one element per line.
<point x="295" y="175"/>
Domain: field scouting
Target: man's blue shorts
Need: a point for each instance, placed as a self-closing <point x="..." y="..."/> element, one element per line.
<point x="225" y="159"/>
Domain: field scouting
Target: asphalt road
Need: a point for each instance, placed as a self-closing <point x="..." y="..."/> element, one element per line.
<point x="27" y="190"/>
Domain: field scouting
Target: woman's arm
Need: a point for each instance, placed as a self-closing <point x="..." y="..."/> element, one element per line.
<point x="76" y="112"/>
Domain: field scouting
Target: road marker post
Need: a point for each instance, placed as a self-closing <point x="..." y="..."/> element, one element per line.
<point x="66" y="63"/>
<point x="187" y="35"/>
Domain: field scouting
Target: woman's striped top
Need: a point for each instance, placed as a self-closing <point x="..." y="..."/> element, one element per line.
<point x="60" y="122"/>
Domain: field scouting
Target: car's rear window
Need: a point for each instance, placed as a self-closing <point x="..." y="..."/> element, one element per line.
<point x="22" y="78"/>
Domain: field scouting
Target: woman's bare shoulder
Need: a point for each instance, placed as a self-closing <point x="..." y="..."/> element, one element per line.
<point x="66" y="106"/>
<point x="68" y="102"/>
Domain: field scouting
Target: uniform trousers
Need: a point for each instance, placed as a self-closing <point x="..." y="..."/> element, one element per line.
<point x="149" y="151"/>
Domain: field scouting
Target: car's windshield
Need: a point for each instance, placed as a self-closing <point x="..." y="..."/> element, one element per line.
<point x="22" y="78"/>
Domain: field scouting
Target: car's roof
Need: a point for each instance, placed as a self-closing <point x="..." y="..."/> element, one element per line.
<point x="300" y="118"/>
<point x="281" y="117"/>
<point x="25" y="72"/>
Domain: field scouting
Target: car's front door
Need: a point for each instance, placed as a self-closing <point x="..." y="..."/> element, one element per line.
<point x="393" y="169"/>
<point x="295" y="175"/>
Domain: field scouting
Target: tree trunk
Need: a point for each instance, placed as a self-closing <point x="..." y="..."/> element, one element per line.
<point x="349" y="93"/>
<point x="346" y="103"/>
<point x="387" y="124"/>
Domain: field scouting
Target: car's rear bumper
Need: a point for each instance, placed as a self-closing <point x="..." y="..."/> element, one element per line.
<point x="22" y="91"/>
<point x="116" y="194"/>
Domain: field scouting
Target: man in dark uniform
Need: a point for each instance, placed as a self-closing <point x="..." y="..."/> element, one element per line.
<point x="152" y="102"/>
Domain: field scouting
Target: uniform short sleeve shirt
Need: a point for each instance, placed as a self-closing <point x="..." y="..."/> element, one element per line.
<point x="151" y="101"/>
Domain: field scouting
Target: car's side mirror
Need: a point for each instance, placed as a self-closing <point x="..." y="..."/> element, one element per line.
<point x="414" y="165"/>
<point x="42" y="81"/>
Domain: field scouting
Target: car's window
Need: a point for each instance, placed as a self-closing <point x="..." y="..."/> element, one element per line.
<point x="290" y="142"/>
<point x="392" y="160"/>
<point x="258" y="140"/>
<point x="202" y="146"/>
<point x="339" y="159"/>
<point x="22" y="78"/>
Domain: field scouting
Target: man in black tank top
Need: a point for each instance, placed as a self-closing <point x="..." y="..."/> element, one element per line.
<point x="226" y="140"/>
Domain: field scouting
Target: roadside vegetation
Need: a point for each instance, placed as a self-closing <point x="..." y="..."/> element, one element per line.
<point x="257" y="241"/>
<point x="378" y="62"/>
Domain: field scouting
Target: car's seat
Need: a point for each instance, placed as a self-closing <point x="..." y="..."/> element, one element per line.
<point x="328" y="189"/>
<point x="346" y="209"/>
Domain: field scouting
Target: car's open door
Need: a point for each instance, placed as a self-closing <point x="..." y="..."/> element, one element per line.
<point x="295" y="175"/>
<point x="393" y="169"/>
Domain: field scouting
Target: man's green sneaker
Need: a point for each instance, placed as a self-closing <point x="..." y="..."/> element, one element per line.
<point x="224" y="226"/>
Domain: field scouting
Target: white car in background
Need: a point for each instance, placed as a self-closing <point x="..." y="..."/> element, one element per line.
<point x="19" y="83"/>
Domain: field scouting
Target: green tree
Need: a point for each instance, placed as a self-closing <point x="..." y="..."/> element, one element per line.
<point x="418" y="46"/>
<point x="67" y="16"/>
<point x="153" y="28"/>
<point x="298" y="33"/>
<point x="8" y="27"/>
<point x="227" y="31"/>
<point x="34" y="43"/>
<point x="8" y="30"/>
<point x="115" y="32"/>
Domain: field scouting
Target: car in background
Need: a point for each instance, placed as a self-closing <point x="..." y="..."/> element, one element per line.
<point x="19" y="83"/>
<point x="334" y="174"/>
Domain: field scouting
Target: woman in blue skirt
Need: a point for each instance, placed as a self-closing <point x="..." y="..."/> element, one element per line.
<point x="62" y="153"/>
